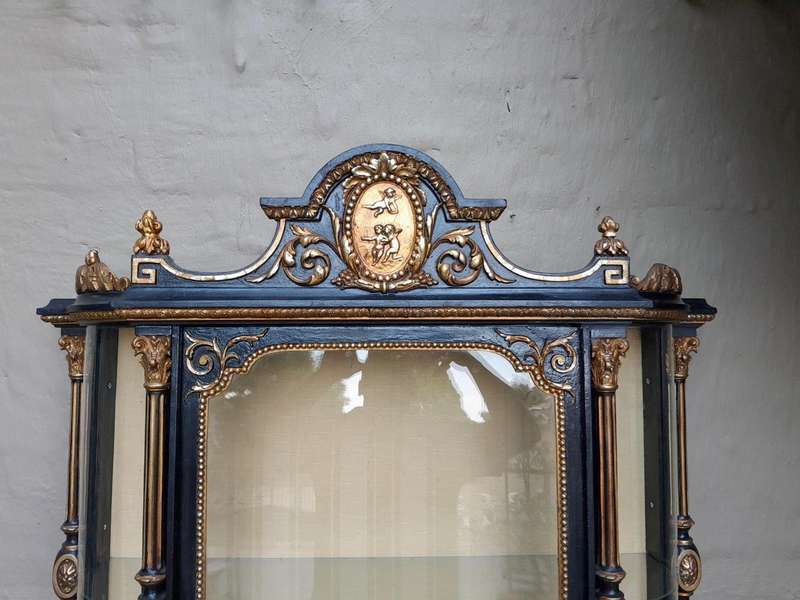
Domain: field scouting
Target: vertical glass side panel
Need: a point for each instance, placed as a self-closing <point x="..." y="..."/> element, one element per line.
<point x="646" y="448"/>
<point x="125" y="548"/>
<point x="382" y="474"/>
<point x="97" y="442"/>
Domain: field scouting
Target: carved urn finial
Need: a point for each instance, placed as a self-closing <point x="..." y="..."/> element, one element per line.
<point x="95" y="277"/>
<point x="609" y="245"/>
<point x="151" y="241"/>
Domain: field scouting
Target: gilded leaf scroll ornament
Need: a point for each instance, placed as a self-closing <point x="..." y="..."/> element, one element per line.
<point x="154" y="353"/>
<point x="65" y="576"/>
<point x="683" y="347"/>
<point x="74" y="346"/>
<point x="204" y="356"/>
<point x="150" y="241"/>
<point x="660" y="279"/>
<point x="609" y="245"/>
<point x="94" y="277"/>
<point x="607" y="355"/>
<point x="689" y="571"/>
<point x="558" y="353"/>
<point x="383" y="237"/>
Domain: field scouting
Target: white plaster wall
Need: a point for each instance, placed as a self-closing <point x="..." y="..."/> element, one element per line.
<point x="679" y="118"/>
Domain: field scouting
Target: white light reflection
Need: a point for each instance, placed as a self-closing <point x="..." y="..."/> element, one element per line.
<point x="502" y="369"/>
<point x="362" y="355"/>
<point x="316" y="357"/>
<point x="469" y="394"/>
<point x="350" y="393"/>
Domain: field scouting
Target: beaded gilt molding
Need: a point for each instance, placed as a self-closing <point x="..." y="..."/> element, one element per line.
<point x="551" y="363"/>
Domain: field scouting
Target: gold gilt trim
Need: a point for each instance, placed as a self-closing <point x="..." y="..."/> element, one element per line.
<point x="364" y="313"/>
<point x="143" y="270"/>
<point x="343" y="170"/>
<point x="400" y="176"/>
<point x="609" y="245"/>
<point x="683" y="347"/>
<point x="74" y="346"/>
<point x="660" y="279"/>
<point x="94" y="276"/>
<point x="690" y="572"/>
<point x="151" y="241"/>
<point x="617" y="271"/>
<point x="65" y="576"/>
<point x="153" y="352"/>
<point x="607" y="355"/>
<point x="534" y="368"/>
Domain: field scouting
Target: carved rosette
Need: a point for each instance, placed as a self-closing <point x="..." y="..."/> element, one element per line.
<point x="609" y="245"/>
<point x="150" y="241"/>
<point x="607" y="355"/>
<point x="660" y="279"/>
<point x="154" y="355"/>
<point x="94" y="277"/>
<point x="683" y="348"/>
<point x="690" y="571"/>
<point x="74" y="346"/>
<point x="65" y="576"/>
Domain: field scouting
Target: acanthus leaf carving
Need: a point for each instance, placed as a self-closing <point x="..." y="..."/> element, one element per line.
<point x="607" y="355"/>
<point x="683" y="347"/>
<point x="74" y="346"/>
<point x="94" y="277"/>
<point x="154" y="353"/>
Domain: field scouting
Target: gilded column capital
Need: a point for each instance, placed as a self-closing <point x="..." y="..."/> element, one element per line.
<point x="154" y="355"/>
<point x="607" y="355"/>
<point x="683" y="347"/>
<point x="150" y="241"/>
<point x="74" y="346"/>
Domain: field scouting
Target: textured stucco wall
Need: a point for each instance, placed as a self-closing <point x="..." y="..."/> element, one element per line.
<point x="679" y="118"/>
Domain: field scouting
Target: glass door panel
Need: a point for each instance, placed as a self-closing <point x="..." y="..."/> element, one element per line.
<point x="382" y="474"/>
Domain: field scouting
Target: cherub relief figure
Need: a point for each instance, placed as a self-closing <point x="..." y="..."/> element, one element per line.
<point x="385" y="245"/>
<point x="387" y="202"/>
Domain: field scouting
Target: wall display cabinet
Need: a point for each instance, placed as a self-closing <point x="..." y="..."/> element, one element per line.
<point x="381" y="405"/>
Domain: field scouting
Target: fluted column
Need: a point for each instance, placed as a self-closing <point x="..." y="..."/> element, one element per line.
<point x="154" y="356"/>
<point x="689" y="565"/>
<point x="607" y="354"/>
<point x="65" y="567"/>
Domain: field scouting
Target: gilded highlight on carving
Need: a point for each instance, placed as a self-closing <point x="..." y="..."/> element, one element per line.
<point x="95" y="277"/>
<point x="150" y="241"/>
<point x="609" y="245"/>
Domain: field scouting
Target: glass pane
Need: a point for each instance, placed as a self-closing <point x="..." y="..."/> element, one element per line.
<point x="645" y="454"/>
<point x="128" y="474"/>
<point x="382" y="474"/>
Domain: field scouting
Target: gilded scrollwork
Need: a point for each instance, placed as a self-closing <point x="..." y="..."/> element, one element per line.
<point x="150" y="242"/>
<point x="384" y="236"/>
<point x="683" y="347"/>
<point x="204" y="357"/>
<point x="689" y="571"/>
<point x="609" y="245"/>
<point x="607" y="355"/>
<point x="558" y="353"/>
<point x="94" y="277"/>
<point x="423" y="171"/>
<point x="74" y="346"/>
<point x="65" y="576"/>
<point x="660" y="279"/>
<point x="154" y="353"/>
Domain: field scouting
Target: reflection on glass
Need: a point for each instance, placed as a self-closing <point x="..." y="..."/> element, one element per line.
<point x="382" y="474"/>
<point x="645" y="455"/>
